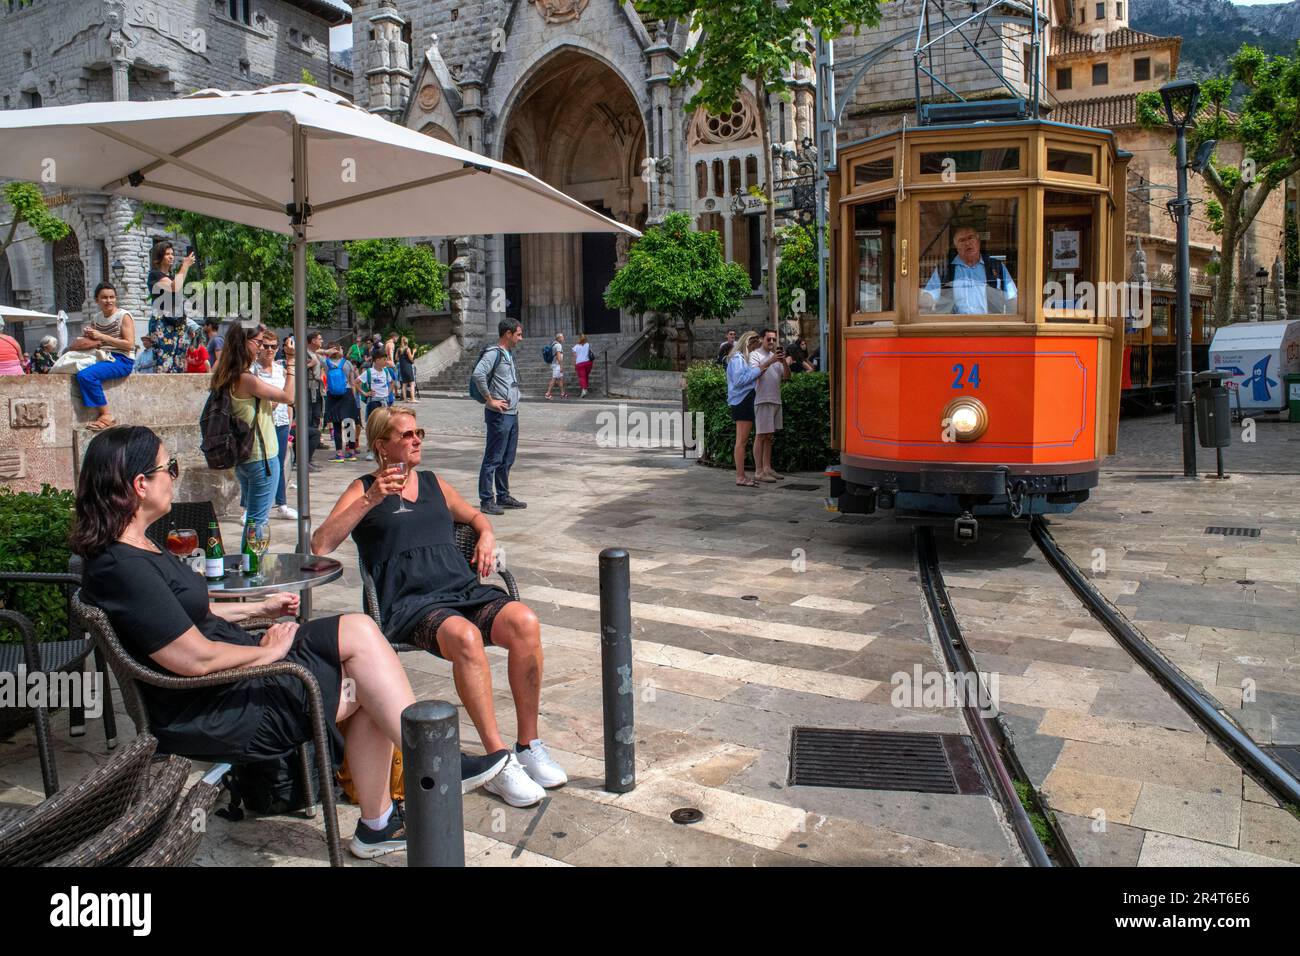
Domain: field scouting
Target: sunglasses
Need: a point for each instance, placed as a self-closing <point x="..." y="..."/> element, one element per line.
<point x="172" y="467"/>
<point x="408" y="435"/>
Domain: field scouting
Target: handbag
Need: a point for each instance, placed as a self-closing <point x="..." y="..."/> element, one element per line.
<point x="72" y="361"/>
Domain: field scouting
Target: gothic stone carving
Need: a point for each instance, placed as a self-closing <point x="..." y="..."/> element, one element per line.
<point x="429" y="97"/>
<point x="561" y="11"/>
<point x="12" y="463"/>
<point x="28" y="413"/>
<point x="739" y="123"/>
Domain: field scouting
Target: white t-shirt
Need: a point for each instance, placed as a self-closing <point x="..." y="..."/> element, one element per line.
<point x="377" y="382"/>
<point x="275" y="375"/>
<point x="557" y="353"/>
<point x="581" y="353"/>
<point x="768" y="387"/>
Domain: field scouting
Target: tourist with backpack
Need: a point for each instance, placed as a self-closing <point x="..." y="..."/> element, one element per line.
<point x="377" y="385"/>
<point x="495" y="383"/>
<point x="341" y="402"/>
<point x="252" y="402"/>
<point x="553" y="354"/>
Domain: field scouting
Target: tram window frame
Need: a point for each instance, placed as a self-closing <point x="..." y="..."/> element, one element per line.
<point x="1067" y="155"/>
<point x="918" y="151"/>
<point x="871" y="166"/>
<point x="1013" y="259"/>
<point x="1079" y="213"/>
<point x="1165" y="305"/>
<point x="888" y="233"/>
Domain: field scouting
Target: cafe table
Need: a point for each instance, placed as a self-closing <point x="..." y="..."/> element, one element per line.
<point x="279" y="572"/>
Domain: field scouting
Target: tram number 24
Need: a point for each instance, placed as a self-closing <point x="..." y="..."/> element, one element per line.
<point x="972" y="379"/>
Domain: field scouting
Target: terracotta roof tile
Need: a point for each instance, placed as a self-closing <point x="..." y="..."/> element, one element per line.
<point x="1069" y="40"/>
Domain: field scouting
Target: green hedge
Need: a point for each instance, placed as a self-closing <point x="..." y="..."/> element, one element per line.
<point x="34" y="537"/>
<point x="803" y="444"/>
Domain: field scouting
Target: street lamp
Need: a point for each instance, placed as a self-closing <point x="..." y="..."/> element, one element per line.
<point x="119" y="270"/>
<point x="1181" y="100"/>
<point x="1261" y="280"/>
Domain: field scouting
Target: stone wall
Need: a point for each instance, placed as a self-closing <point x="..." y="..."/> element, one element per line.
<point x="43" y="436"/>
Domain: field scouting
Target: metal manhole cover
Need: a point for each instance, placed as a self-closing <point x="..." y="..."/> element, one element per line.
<point x="1234" y="532"/>
<point x="686" y="815"/>
<point x="801" y="487"/>
<point x="1288" y="757"/>
<point x="883" y="760"/>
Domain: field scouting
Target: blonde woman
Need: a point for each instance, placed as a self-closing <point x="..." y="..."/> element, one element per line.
<point x="742" y="378"/>
<point x="582" y="363"/>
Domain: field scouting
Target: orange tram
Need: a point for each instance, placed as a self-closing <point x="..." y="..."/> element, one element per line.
<point x="977" y="333"/>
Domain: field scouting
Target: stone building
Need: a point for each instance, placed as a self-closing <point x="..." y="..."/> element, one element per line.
<point x="1097" y="66"/>
<point x="577" y="92"/>
<point x="60" y="52"/>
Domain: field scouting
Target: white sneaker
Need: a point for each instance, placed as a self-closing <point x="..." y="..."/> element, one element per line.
<point x="539" y="765"/>
<point x="514" y="785"/>
<point x="370" y="456"/>
<point x="287" y="513"/>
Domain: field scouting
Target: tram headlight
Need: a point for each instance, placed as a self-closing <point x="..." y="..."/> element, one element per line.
<point x="967" y="418"/>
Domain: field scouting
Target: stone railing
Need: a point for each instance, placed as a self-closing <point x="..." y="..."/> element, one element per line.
<point x="43" y="435"/>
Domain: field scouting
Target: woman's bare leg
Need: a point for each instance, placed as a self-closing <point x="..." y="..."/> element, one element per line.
<point x="462" y="644"/>
<point x="742" y="439"/>
<point x="517" y="629"/>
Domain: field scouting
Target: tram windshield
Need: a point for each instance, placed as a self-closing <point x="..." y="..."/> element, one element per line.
<point x="970" y="261"/>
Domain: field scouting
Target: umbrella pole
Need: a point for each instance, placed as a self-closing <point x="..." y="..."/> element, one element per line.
<point x="301" y="411"/>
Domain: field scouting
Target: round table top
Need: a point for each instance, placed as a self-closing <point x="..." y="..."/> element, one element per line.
<point x="280" y="572"/>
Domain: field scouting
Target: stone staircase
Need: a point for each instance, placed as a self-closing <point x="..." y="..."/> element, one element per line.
<point x="534" y="374"/>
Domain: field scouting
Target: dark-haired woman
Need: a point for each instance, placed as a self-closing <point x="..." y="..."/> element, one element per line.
<point x="112" y="331"/>
<point x="167" y="325"/>
<point x="253" y="401"/>
<point x="161" y="612"/>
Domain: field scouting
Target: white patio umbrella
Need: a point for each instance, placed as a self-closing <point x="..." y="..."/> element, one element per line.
<point x="11" y="313"/>
<point x="292" y="159"/>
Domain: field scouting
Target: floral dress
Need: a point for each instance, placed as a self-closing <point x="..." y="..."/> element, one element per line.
<point x="171" y="335"/>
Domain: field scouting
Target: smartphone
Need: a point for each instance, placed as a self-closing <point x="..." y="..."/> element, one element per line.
<point x="317" y="564"/>
<point x="189" y="250"/>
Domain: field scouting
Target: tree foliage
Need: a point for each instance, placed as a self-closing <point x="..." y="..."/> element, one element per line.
<point x="386" y="275"/>
<point x="1267" y="128"/>
<point x="797" y="270"/>
<point x="229" y="252"/>
<point x="28" y="206"/>
<point x="758" y="41"/>
<point x="677" y="272"/>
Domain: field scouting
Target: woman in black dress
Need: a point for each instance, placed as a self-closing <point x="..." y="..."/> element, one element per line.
<point x="161" y="612"/>
<point x="431" y="597"/>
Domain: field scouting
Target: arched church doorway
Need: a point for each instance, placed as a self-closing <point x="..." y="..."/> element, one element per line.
<point x="578" y="128"/>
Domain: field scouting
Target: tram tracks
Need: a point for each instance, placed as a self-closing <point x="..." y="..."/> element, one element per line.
<point x="1201" y="707"/>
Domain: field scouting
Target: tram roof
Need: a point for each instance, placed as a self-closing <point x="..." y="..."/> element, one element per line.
<point x="982" y="126"/>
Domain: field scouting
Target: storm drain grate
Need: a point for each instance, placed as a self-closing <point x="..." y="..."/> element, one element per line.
<point x="1234" y="532"/>
<point x="801" y="487"/>
<point x="883" y="760"/>
<point x="1288" y="757"/>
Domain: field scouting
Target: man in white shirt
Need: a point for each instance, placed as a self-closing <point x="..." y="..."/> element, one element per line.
<point x="557" y="366"/>
<point x="767" y="404"/>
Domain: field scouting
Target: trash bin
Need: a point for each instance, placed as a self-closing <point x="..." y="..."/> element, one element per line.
<point x="1293" y="395"/>
<point x="1213" y="417"/>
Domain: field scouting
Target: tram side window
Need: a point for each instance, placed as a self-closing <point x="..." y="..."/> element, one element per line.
<point x="874" y="227"/>
<point x="1161" y="310"/>
<point x="1069" y="270"/>
<point x="970" y="260"/>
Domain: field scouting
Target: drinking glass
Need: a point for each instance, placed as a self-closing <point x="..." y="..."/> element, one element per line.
<point x="401" y="500"/>
<point x="260" y="543"/>
<point x="182" y="541"/>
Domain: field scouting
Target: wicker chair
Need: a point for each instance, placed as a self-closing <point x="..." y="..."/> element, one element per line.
<point x="136" y="830"/>
<point x="50" y="657"/>
<point x="180" y="839"/>
<point x="130" y="674"/>
<point x="466" y="541"/>
<point x="184" y="514"/>
<point x="63" y="821"/>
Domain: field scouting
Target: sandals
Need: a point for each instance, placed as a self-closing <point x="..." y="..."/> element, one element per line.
<point x="99" y="424"/>
<point x="766" y="477"/>
<point x="747" y="483"/>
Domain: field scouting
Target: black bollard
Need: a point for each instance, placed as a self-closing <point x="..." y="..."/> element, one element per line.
<point x="435" y="827"/>
<point x="616" y="670"/>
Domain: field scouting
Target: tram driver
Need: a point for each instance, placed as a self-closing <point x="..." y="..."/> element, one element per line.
<point x="974" y="284"/>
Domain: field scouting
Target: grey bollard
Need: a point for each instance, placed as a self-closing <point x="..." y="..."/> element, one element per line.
<point x="616" y="670"/>
<point x="435" y="826"/>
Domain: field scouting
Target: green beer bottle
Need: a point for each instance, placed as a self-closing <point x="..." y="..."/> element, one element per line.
<point x="214" y="561"/>
<point x="248" y="557"/>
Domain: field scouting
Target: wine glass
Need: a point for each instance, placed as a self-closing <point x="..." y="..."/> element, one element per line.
<point x="401" y="499"/>
<point x="260" y="542"/>
<point x="182" y="542"/>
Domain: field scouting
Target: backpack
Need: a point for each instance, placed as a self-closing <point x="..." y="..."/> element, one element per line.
<point x="336" y="377"/>
<point x="271" y="787"/>
<point x="548" y="354"/>
<point x="474" y="393"/>
<point x="227" y="439"/>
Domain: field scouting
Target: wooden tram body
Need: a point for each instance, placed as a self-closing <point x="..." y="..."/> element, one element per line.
<point x="991" y="389"/>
